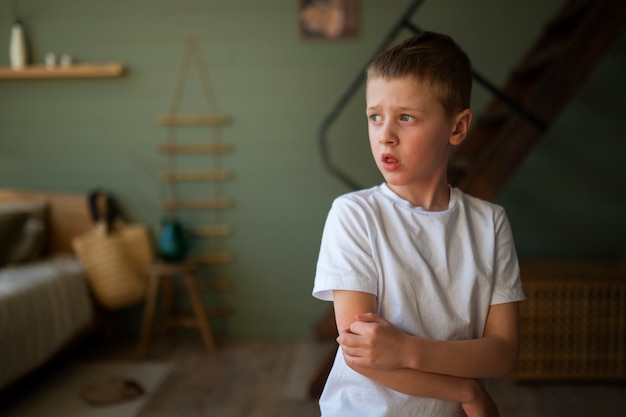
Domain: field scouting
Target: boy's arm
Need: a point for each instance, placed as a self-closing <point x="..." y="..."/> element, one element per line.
<point x="468" y="392"/>
<point x="373" y="342"/>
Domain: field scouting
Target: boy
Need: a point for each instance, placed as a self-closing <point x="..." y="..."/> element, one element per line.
<point x="424" y="278"/>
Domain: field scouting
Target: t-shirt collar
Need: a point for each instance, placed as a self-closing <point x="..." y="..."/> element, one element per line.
<point x="389" y="193"/>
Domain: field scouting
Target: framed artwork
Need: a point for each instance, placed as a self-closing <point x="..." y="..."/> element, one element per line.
<point x="328" y="19"/>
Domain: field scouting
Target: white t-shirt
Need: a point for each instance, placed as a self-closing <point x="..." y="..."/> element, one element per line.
<point x="434" y="274"/>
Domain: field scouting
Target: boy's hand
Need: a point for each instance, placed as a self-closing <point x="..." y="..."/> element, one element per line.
<point x="481" y="404"/>
<point x="373" y="342"/>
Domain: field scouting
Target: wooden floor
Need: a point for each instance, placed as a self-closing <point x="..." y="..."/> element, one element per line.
<point x="251" y="379"/>
<point x="241" y="379"/>
<point x="270" y="379"/>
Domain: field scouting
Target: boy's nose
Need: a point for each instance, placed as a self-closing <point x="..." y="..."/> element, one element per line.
<point x="387" y="137"/>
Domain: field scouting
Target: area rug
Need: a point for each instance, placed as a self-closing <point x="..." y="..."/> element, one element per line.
<point x="60" y="394"/>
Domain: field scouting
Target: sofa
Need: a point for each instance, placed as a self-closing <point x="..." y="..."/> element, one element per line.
<point x="45" y="303"/>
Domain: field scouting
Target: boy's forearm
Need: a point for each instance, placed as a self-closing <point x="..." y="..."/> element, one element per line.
<point x="424" y="384"/>
<point x="488" y="357"/>
<point x="492" y="356"/>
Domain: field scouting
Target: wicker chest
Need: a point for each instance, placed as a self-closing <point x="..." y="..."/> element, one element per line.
<point x="573" y="323"/>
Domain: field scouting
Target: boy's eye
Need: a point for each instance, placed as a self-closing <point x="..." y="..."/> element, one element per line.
<point x="374" y="117"/>
<point x="406" y="118"/>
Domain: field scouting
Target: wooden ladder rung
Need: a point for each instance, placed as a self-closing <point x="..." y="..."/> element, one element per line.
<point x="207" y="175"/>
<point x="214" y="230"/>
<point x="193" y="148"/>
<point x="192" y="119"/>
<point x="198" y="204"/>
<point x="215" y="258"/>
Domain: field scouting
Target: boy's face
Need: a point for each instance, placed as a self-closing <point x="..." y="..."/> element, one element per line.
<point x="410" y="134"/>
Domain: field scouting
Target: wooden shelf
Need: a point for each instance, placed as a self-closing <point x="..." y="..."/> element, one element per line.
<point x="74" y="71"/>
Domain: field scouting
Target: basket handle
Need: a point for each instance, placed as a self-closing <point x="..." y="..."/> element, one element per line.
<point x="103" y="208"/>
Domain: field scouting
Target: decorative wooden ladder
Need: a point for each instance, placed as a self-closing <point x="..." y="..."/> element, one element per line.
<point x="216" y="230"/>
<point x="571" y="45"/>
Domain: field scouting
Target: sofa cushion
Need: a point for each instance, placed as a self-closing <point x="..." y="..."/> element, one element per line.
<point x="11" y="226"/>
<point x="27" y="243"/>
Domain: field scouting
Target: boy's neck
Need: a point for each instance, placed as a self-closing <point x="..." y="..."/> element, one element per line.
<point x="430" y="198"/>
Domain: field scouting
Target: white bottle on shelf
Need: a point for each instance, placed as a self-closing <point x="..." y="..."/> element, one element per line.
<point x="17" y="46"/>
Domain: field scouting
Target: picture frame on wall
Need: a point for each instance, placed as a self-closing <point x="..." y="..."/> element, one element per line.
<point x="328" y="19"/>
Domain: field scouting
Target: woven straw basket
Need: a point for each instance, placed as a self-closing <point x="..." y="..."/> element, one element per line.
<point x="115" y="263"/>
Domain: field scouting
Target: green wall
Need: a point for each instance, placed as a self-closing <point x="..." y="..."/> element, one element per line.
<point x="74" y="135"/>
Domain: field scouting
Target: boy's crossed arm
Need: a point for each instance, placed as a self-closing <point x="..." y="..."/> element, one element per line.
<point x="422" y="367"/>
<point x="373" y="342"/>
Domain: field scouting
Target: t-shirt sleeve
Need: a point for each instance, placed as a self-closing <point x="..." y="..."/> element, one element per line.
<point x="345" y="259"/>
<point x="508" y="285"/>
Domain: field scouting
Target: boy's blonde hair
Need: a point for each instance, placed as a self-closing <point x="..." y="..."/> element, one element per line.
<point x="432" y="58"/>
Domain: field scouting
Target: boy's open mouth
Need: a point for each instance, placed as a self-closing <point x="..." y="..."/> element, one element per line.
<point x="389" y="161"/>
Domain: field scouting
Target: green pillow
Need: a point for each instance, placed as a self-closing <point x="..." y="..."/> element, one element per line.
<point x="11" y="226"/>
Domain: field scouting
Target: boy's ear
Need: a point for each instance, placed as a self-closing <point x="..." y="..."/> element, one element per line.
<point x="461" y="126"/>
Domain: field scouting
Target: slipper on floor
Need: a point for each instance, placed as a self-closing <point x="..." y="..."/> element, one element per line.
<point x="111" y="391"/>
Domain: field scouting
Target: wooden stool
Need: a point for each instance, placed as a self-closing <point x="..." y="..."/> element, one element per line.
<point x="167" y="271"/>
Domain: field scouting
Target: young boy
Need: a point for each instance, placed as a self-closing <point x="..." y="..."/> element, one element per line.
<point x="424" y="278"/>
